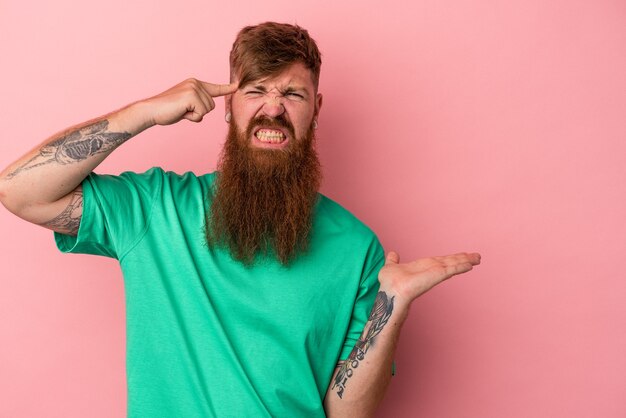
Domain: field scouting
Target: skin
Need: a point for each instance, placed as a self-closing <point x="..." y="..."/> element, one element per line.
<point x="358" y="394"/>
<point x="43" y="187"/>
<point x="360" y="389"/>
<point x="291" y="94"/>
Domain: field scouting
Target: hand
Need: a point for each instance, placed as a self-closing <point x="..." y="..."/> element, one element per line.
<point x="410" y="280"/>
<point x="191" y="100"/>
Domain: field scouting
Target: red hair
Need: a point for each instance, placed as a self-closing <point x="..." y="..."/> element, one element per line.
<point x="267" y="49"/>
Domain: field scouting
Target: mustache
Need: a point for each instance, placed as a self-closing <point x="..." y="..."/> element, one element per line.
<point x="278" y="122"/>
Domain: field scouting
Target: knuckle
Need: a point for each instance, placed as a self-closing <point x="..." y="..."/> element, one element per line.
<point x="191" y="83"/>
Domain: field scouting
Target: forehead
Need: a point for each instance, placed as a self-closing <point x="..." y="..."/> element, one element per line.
<point x="294" y="76"/>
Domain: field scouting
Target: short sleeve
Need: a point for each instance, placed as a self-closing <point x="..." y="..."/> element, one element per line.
<point x="368" y="289"/>
<point x="116" y="213"/>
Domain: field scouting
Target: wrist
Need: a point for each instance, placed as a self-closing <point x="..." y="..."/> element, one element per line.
<point x="401" y="295"/>
<point x="401" y="304"/>
<point x="134" y="118"/>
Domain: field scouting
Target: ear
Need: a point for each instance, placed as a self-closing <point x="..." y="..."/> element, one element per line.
<point x="318" y="105"/>
<point x="227" y="103"/>
<point x="228" y="99"/>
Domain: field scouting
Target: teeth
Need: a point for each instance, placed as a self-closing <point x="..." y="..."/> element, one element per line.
<point x="271" y="136"/>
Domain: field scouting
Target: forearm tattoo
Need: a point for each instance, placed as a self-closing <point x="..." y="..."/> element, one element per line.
<point x="68" y="221"/>
<point x="383" y="306"/>
<point x="75" y="146"/>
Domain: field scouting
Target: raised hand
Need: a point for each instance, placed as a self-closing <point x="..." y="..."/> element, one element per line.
<point x="191" y="100"/>
<point x="410" y="280"/>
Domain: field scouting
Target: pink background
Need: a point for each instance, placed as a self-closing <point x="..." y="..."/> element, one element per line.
<point x="447" y="126"/>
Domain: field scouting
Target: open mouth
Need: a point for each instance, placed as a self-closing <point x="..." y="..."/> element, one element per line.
<point x="270" y="137"/>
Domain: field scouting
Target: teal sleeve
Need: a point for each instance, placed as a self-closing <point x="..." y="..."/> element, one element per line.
<point x="116" y="213"/>
<point x="366" y="296"/>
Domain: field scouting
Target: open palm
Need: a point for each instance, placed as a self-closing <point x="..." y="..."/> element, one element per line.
<point x="410" y="280"/>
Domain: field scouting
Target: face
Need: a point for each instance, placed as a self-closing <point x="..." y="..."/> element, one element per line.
<point x="269" y="172"/>
<point x="277" y="111"/>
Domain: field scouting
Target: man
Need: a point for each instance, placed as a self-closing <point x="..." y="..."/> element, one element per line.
<point x="248" y="293"/>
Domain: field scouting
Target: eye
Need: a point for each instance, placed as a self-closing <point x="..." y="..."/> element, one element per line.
<point x="294" y="96"/>
<point x="253" y="93"/>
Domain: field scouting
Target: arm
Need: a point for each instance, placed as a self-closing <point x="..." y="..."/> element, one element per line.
<point x="359" y="384"/>
<point x="43" y="186"/>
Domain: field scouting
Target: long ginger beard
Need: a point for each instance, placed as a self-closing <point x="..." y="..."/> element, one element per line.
<point x="264" y="198"/>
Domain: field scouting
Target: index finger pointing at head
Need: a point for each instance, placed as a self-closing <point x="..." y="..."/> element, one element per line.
<point x="216" y="90"/>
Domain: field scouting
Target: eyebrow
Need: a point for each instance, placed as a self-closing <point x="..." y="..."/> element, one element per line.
<point x="260" y="88"/>
<point x="289" y="89"/>
<point x="294" y="89"/>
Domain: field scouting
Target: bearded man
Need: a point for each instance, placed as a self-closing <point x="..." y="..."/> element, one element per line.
<point x="249" y="294"/>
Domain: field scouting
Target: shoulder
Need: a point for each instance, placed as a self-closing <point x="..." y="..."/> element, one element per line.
<point x="340" y="231"/>
<point x="332" y="217"/>
<point x="159" y="172"/>
<point x="155" y="177"/>
<point x="151" y="176"/>
<point x="147" y="185"/>
<point x="187" y="178"/>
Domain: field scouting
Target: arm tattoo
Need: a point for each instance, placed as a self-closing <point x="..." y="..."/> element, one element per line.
<point x="75" y="146"/>
<point x="68" y="221"/>
<point x="383" y="306"/>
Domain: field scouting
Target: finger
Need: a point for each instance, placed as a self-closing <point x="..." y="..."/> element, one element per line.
<point x="473" y="258"/>
<point x="216" y="90"/>
<point x="458" y="268"/>
<point x="392" y="258"/>
<point x="207" y="101"/>
<point x="196" y="112"/>
<point x="193" y="116"/>
<point x="211" y="104"/>
<point x="460" y="263"/>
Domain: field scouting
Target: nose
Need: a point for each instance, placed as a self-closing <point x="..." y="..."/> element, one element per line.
<point x="273" y="105"/>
